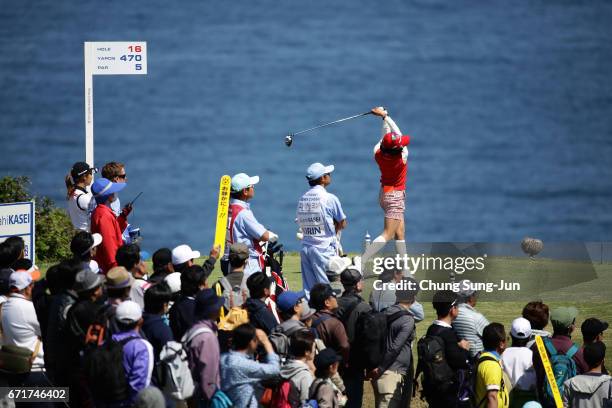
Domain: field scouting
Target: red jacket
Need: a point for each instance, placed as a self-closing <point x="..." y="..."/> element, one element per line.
<point x="104" y="222"/>
<point x="393" y="169"/>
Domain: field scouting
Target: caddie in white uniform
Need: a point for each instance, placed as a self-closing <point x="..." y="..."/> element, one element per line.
<point x="243" y="227"/>
<point x="320" y="217"/>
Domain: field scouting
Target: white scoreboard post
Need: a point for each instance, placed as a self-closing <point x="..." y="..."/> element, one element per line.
<point x="108" y="58"/>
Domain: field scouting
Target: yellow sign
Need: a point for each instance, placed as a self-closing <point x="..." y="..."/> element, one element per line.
<point x="550" y="375"/>
<point x="222" y="212"/>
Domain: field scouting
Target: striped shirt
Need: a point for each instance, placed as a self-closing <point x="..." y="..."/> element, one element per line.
<point x="469" y="325"/>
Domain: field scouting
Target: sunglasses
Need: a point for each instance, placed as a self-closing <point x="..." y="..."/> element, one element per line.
<point x="122" y="176"/>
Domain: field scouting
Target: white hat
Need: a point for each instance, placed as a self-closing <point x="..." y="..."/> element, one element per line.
<point x="317" y="170"/>
<point x="93" y="266"/>
<point x="337" y="264"/>
<point x="521" y="328"/>
<point x="174" y="281"/>
<point x="128" y="312"/>
<point x="20" y="280"/>
<point x="183" y="253"/>
<point x="241" y="181"/>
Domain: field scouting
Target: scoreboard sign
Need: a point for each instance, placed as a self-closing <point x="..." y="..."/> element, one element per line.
<point x="116" y="58"/>
<point x="108" y="58"/>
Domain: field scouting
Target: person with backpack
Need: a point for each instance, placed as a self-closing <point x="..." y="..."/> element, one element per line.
<point x="565" y="356"/>
<point x="203" y="347"/>
<point x="155" y="329"/>
<point x="240" y="373"/>
<point x="491" y="389"/>
<point x="297" y="369"/>
<point x="351" y="307"/>
<point x="327" y="326"/>
<point x="591" y="389"/>
<point x="233" y="285"/>
<point x="260" y="315"/>
<point x="243" y="227"/>
<point x="380" y="299"/>
<point x="290" y="305"/>
<point x="442" y="354"/>
<point x="517" y="362"/>
<point x="320" y="217"/>
<point x="470" y="323"/>
<point x="392" y="379"/>
<point x="138" y="359"/>
<point x="193" y="279"/>
<point x="323" y="391"/>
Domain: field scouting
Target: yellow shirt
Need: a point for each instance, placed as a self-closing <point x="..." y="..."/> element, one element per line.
<point x="489" y="378"/>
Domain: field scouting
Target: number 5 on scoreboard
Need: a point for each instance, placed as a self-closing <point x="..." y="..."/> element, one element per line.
<point x="222" y="212"/>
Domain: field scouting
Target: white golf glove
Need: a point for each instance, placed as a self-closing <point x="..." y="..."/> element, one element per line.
<point x="272" y="237"/>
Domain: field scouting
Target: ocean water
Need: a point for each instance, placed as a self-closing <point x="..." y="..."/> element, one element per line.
<point x="509" y="105"/>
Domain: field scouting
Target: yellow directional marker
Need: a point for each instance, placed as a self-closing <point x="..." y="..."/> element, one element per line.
<point x="550" y="375"/>
<point x="222" y="212"/>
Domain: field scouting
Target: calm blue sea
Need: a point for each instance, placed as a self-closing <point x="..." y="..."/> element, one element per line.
<point x="509" y="105"/>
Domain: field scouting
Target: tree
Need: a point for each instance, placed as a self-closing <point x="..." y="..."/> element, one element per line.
<point x="54" y="230"/>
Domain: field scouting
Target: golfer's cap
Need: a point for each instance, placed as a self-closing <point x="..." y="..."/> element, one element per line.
<point x="394" y="141"/>
<point x="241" y="181"/>
<point x="103" y="187"/>
<point x="87" y="280"/>
<point x="20" y="280"/>
<point x="591" y="327"/>
<point x="325" y="358"/>
<point x="563" y="317"/>
<point x="317" y="170"/>
<point x="307" y="311"/>
<point x="128" y="311"/>
<point x="174" y="281"/>
<point x="183" y="253"/>
<point x="118" y="277"/>
<point x="521" y="328"/>
<point x="337" y="265"/>
<point x="351" y="276"/>
<point x="288" y="299"/>
<point x="80" y="168"/>
<point x="465" y="289"/>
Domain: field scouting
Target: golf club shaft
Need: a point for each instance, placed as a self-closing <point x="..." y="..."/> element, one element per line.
<point x="331" y="123"/>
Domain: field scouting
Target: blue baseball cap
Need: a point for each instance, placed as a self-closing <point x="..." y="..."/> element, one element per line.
<point x="241" y="181"/>
<point x="104" y="187"/>
<point x="317" y="170"/>
<point x="288" y="299"/>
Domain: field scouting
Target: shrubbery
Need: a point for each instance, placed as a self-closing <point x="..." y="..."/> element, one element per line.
<point x="53" y="227"/>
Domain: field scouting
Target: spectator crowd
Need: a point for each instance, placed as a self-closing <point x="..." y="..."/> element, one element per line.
<point x="119" y="336"/>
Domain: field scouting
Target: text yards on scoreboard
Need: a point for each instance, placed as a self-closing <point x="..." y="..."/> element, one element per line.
<point x="117" y="58"/>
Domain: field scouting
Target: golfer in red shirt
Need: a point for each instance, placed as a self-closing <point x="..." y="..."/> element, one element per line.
<point x="391" y="155"/>
<point x="104" y="222"/>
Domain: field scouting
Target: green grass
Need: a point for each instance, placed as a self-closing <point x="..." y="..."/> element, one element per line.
<point x="592" y="298"/>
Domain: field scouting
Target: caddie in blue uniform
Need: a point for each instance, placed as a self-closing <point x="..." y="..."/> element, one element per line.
<point x="320" y="217"/>
<point x="243" y="227"/>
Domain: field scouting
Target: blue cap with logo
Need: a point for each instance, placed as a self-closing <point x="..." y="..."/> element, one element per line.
<point x="104" y="187"/>
<point x="317" y="170"/>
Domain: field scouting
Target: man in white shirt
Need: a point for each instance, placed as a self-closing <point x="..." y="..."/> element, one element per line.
<point x="517" y="362"/>
<point x="21" y="328"/>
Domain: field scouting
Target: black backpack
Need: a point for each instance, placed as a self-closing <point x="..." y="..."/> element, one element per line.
<point x="103" y="369"/>
<point x="438" y="376"/>
<point x="371" y="334"/>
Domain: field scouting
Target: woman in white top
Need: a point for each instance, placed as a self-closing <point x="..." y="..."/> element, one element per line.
<point x="79" y="195"/>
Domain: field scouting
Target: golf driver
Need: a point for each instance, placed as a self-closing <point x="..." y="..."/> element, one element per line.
<point x="289" y="137"/>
